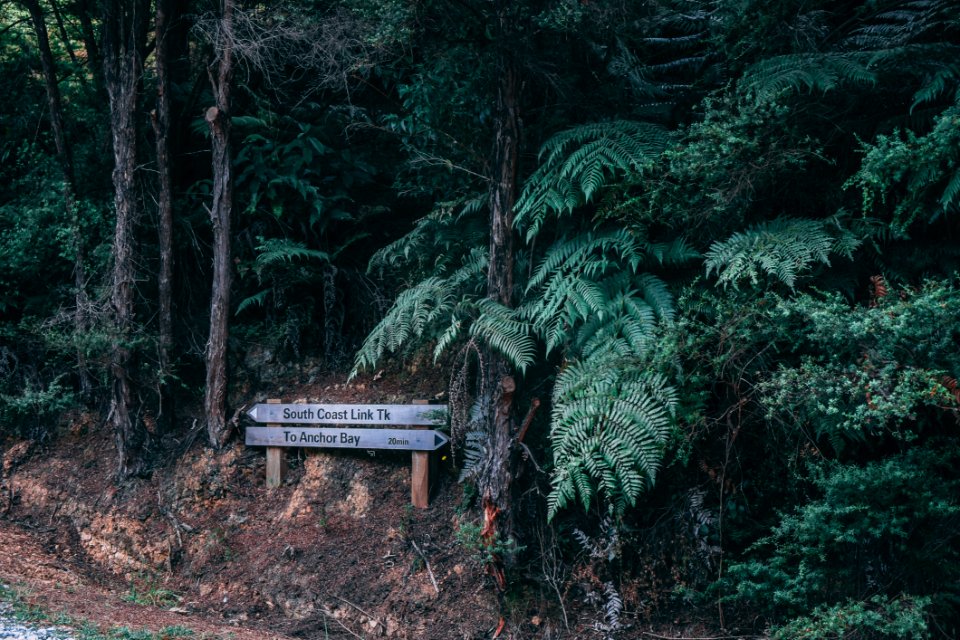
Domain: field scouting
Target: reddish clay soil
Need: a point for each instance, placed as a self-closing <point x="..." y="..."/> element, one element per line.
<point x="336" y="552"/>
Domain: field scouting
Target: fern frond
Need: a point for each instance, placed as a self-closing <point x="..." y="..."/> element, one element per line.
<point x="782" y="248"/>
<point x="413" y="316"/>
<point x="589" y="287"/>
<point x="504" y="331"/>
<point x="591" y="251"/>
<point x="609" y="425"/>
<point x="809" y="71"/>
<point x="578" y="162"/>
<point x="451" y="225"/>
<point x="275" y="250"/>
<point x="256" y="299"/>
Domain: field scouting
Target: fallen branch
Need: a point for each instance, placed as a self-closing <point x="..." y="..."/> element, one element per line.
<point x="369" y="615"/>
<point x="534" y="405"/>
<point x="427" y="564"/>
<point x="326" y="612"/>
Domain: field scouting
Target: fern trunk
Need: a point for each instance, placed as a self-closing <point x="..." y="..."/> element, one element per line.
<point x="496" y="472"/>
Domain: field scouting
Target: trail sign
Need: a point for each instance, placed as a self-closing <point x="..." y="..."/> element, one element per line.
<point x="382" y="414"/>
<point x="403" y="439"/>
<point x="420" y="442"/>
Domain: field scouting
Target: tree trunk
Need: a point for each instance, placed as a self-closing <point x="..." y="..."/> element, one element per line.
<point x="161" y="129"/>
<point x="218" y="118"/>
<point x="496" y="471"/>
<point x="122" y="22"/>
<point x="65" y="159"/>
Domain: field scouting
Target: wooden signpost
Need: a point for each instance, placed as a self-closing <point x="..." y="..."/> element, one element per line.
<point x="276" y="434"/>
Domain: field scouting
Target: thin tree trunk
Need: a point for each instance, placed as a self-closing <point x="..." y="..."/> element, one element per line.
<point x="218" y="118"/>
<point x="161" y="128"/>
<point x="90" y="42"/>
<point x="121" y="27"/>
<point x="496" y="473"/>
<point x="65" y="159"/>
<point x="63" y="32"/>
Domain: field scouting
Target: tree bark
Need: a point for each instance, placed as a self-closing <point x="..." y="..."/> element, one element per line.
<point x="122" y="24"/>
<point x="218" y="118"/>
<point x="65" y="160"/>
<point x="161" y="128"/>
<point x="496" y="472"/>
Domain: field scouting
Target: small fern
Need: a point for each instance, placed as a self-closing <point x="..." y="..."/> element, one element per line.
<point x="782" y="248"/>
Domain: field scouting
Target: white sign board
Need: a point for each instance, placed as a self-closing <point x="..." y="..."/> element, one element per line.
<point x="381" y="414"/>
<point x="408" y="439"/>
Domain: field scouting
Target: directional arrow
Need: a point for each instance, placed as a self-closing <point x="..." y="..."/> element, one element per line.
<point x="338" y="438"/>
<point x="382" y="414"/>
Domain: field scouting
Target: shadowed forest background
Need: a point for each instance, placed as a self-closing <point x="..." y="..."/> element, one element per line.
<point x="685" y="270"/>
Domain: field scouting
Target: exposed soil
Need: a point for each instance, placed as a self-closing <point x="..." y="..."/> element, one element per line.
<point x="337" y="551"/>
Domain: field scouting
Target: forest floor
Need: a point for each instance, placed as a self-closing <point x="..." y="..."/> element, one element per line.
<point x="336" y="552"/>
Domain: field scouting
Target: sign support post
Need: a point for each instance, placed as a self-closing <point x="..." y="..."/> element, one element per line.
<point x="276" y="459"/>
<point x="420" y="475"/>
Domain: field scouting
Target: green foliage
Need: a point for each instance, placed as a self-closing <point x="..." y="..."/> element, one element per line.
<point x="782" y="248"/>
<point x="282" y="170"/>
<point x="487" y="551"/>
<point x="437" y="240"/>
<point x="721" y="164"/>
<point x="36" y="409"/>
<point x="900" y="618"/>
<point x="418" y="313"/>
<point x="149" y="593"/>
<point x="590" y="287"/>
<point x="868" y="372"/>
<point x="576" y="163"/>
<point x="866" y="534"/>
<point x="771" y="77"/>
<point x="918" y="175"/>
<point x="609" y="427"/>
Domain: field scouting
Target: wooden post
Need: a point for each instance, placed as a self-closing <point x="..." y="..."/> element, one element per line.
<point x="420" y="475"/>
<point x="276" y="460"/>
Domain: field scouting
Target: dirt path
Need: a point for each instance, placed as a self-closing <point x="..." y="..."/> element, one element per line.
<point x="56" y="587"/>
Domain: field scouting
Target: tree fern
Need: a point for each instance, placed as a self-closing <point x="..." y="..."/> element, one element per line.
<point x="445" y="233"/>
<point x="419" y="311"/>
<point x="501" y="328"/>
<point x="576" y="163"/>
<point x="609" y="426"/>
<point x="782" y="248"/>
<point x="593" y="281"/>
<point x="806" y="71"/>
